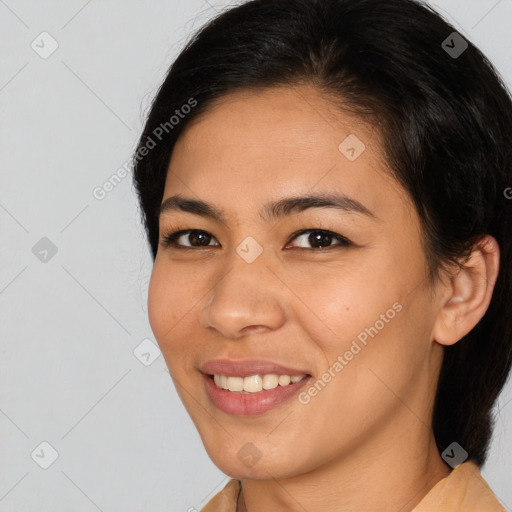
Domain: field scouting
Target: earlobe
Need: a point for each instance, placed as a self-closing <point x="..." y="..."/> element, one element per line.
<point x="468" y="293"/>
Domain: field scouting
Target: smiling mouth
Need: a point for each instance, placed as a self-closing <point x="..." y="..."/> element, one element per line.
<point x="254" y="393"/>
<point x="255" y="383"/>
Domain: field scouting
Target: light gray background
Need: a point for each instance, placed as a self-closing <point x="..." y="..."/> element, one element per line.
<point x="70" y="325"/>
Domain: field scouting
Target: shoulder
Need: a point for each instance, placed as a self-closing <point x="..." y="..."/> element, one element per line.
<point x="225" y="500"/>
<point x="463" y="489"/>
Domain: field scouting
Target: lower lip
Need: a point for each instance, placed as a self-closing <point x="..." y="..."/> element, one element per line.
<point x="250" y="404"/>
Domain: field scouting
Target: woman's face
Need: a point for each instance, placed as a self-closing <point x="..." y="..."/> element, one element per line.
<point x="244" y="296"/>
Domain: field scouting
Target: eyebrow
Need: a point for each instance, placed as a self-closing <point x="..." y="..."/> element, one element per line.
<point x="272" y="210"/>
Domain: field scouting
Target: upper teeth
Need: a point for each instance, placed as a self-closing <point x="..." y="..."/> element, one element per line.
<point x="255" y="383"/>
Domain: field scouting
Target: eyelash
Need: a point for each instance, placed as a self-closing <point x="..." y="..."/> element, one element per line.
<point x="169" y="240"/>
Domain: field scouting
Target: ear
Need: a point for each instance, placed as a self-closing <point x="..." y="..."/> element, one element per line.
<point x="468" y="293"/>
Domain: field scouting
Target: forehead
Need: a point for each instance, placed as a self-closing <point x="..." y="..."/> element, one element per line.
<point x="253" y="144"/>
<point x="299" y="118"/>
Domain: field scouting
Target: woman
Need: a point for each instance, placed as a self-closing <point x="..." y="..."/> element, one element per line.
<point x="324" y="189"/>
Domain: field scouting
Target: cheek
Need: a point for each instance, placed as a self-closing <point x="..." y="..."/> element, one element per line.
<point x="347" y="300"/>
<point x="165" y="302"/>
<point x="371" y="307"/>
<point x="174" y="298"/>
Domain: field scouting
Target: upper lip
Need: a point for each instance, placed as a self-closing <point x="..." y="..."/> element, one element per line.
<point x="247" y="368"/>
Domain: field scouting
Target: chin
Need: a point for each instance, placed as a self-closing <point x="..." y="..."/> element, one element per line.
<point x="260" y="471"/>
<point x="249" y="463"/>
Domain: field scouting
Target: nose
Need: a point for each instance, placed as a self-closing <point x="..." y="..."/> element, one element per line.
<point x="247" y="299"/>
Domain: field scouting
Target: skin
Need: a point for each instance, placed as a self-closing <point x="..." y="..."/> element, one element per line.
<point x="364" y="442"/>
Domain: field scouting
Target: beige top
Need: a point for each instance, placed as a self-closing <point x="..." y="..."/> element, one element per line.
<point x="463" y="490"/>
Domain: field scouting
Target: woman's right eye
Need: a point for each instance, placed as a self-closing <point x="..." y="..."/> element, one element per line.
<point x="192" y="236"/>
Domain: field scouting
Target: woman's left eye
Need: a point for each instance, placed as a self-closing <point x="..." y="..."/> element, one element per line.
<point x="317" y="238"/>
<point x="320" y="237"/>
